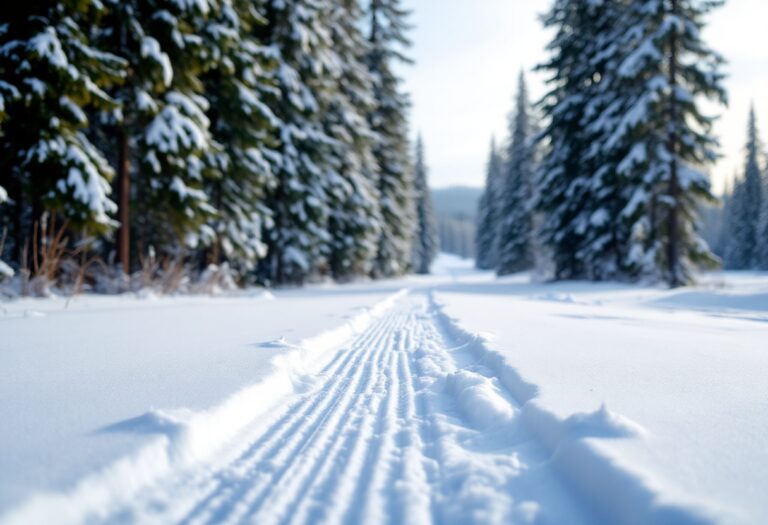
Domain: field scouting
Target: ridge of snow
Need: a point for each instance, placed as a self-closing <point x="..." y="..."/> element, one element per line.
<point x="620" y="493"/>
<point x="185" y="438"/>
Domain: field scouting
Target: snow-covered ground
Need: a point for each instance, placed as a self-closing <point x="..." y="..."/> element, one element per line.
<point x="454" y="398"/>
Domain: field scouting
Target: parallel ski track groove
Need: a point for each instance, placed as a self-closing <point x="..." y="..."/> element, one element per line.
<point x="367" y="444"/>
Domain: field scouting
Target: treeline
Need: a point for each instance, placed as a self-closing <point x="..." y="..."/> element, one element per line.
<point x="168" y="138"/>
<point x="611" y="185"/>
<point x="744" y="231"/>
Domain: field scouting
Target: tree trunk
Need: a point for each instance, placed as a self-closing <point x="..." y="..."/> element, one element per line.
<point x="673" y="227"/>
<point x="124" y="214"/>
<point x="18" y="224"/>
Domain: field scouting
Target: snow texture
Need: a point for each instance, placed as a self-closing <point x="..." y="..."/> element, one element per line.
<point x="456" y="398"/>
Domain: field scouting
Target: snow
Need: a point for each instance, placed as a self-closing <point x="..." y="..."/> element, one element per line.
<point x="683" y="373"/>
<point x="451" y="398"/>
<point x="47" y="45"/>
<point x="88" y="185"/>
<point x="180" y="126"/>
<point x="5" y="270"/>
<point x="141" y="355"/>
<point x="150" y="48"/>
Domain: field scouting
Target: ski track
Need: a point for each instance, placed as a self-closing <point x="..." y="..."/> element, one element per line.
<point x="380" y="439"/>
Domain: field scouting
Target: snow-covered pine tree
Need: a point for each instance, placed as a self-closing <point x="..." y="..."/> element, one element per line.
<point x="603" y="219"/>
<point x="161" y="132"/>
<point x="565" y="174"/>
<point x="354" y="220"/>
<point x="515" y="236"/>
<point x="672" y="141"/>
<point x="488" y="213"/>
<point x="299" y="40"/>
<point x="238" y="87"/>
<point x="744" y="213"/>
<point x="763" y="227"/>
<point x="389" y="121"/>
<point x="425" y="243"/>
<point x="627" y="138"/>
<point x="51" y="76"/>
<point x="735" y="217"/>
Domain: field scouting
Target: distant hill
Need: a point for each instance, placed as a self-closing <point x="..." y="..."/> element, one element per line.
<point x="457" y="201"/>
<point x="456" y="209"/>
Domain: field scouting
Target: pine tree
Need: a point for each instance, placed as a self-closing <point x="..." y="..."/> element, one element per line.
<point x="299" y="39"/>
<point x="565" y="171"/>
<point x="605" y="220"/>
<point x="238" y="87"/>
<point x="763" y="227"/>
<point x="488" y="213"/>
<point x="627" y="138"/>
<point x="52" y="77"/>
<point x="515" y="240"/>
<point x="389" y="122"/>
<point x="426" y="240"/>
<point x="734" y="252"/>
<point x="677" y="68"/>
<point x="162" y="132"/>
<point x="744" y="213"/>
<point x="354" y="221"/>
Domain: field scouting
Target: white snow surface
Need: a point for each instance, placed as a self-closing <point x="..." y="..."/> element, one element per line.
<point x="453" y="398"/>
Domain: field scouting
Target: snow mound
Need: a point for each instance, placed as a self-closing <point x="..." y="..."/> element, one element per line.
<point x="6" y="272"/>
<point x="280" y="343"/>
<point x="479" y="399"/>
<point x="602" y="423"/>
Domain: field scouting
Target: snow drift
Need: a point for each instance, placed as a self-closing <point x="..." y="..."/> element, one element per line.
<point x="183" y="438"/>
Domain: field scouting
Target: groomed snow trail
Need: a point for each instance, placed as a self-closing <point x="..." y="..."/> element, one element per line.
<point x="402" y="426"/>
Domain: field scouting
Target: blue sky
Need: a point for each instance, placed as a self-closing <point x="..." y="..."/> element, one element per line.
<point x="468" y="54"/>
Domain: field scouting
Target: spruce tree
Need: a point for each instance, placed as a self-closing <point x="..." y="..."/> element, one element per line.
<point x="763" y="226"/>
<point x="565" y="171"/>
<point x="744" y="212"/>
<point x="425" y="241"/>
<point x="677" y="68"/>
<point x="389" y="122"/>
<point x="298" y="36"/>
<point x="735" y="253"/>
<point x="354" y="220"/>
<point x="627" y="139"/>
<point x="161" y="133"/>
<point x="238" y="87"/>
<point x="53" y="76"/>
<point x="605" y="219"/>
<point x="488" y="213"/>
<point x="515" y="240"/>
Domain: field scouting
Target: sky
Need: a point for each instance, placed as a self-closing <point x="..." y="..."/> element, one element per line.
<point x="469" y="53"/>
